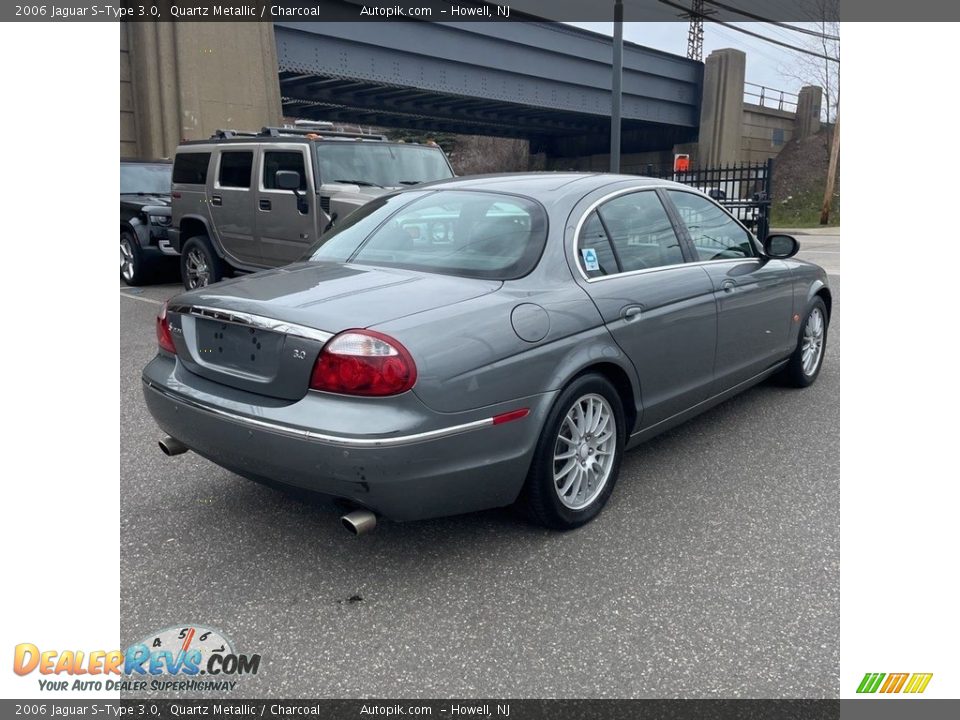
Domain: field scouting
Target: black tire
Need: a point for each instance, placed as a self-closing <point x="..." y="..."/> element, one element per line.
<point x="540" y="498"/>
<point x="137" y="271"/>
<point x="794" y="374"/>
<point x="194" y="249"/>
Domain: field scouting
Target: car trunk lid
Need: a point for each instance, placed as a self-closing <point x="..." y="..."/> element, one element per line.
<point x="263" y="332"/>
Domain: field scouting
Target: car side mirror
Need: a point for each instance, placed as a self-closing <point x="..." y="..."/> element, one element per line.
<point x="288" y="180"/>
<point x="780" y="246"/>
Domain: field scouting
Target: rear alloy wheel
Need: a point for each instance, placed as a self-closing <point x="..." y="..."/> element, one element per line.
<point x="577" y="459"/>
<point x="583" y="455"/>
<point x="804" y="365"/>
<point x="199" y="265"/>
<point x="132" y="270"/>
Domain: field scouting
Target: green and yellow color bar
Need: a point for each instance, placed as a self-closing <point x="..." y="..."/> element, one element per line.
<point x="894" y="682"/>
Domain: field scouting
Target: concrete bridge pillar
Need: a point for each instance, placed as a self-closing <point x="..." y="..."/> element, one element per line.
<point x="188" y="79"/>
<point x="721" y="114"/>
<point x="808" y="111"/>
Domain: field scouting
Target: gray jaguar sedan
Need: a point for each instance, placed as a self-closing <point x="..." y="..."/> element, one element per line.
<point x="484" y="341"/>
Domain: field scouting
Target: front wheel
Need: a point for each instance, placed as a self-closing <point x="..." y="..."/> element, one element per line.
<point x="804" y="365"/>
<point x="199" y="264"/>
<point x="577" y="459"/>
<point x="133" y="270"/>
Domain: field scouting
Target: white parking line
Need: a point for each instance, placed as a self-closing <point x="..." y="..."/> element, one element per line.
<point x="141" y="299"/>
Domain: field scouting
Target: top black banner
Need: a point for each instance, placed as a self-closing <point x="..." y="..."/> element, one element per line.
<point x="477" y="10"/>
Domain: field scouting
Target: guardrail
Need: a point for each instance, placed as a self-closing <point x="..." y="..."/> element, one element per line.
<point x="769" y="97"/>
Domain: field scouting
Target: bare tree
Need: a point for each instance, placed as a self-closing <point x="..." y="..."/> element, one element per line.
<point x="823" y="71"/>
<point x="477" y="154"/>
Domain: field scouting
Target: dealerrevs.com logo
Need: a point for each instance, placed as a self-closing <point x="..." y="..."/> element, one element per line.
<point x="910" y="683"/>
<point x="176" y="659"/>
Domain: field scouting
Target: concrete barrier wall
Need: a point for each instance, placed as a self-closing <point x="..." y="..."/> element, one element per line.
<point x="129" y="147"/>
<point x="185" y="80"/>
<point x="765" y="132"/>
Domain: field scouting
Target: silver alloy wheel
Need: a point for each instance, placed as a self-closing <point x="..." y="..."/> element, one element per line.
<point x="198" y="272"/>
<point x="127" y="267"/>
<point x="812" y="347"/>
<point x="584" y="452"/>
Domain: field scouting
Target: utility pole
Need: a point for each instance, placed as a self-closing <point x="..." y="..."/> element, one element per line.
<point x="831" y="172"/>
<point x="695" y="33"/>
<point x="615" y="104"/>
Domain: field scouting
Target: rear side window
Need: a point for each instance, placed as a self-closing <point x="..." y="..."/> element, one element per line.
<point x="235" y="168"/>
<point x="640" y="231"/>
<point x="594" y="253"/>
<point x="276" y="160"/>
<point x="191" y="168"/>
<point x="630" y="232"/>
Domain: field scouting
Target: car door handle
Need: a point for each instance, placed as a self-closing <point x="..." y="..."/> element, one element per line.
<point x="265" y="205"/>
<point x="631" y="312"/>
<point x="216" y="200"/>
<point x="728" y="286"/>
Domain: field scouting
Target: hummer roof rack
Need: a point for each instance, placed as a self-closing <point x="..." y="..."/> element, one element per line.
<point x="225" y="134"/>
<point x="304" y="131"/>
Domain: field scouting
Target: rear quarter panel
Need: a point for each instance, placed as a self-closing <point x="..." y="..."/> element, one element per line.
<point x="469" y="356"/>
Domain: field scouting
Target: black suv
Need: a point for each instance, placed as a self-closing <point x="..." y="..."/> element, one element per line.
<point x="144" y="219"/>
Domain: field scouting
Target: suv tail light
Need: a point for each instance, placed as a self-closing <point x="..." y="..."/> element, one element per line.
<point x="363" y="362"/>
<point x="164" y="337"/>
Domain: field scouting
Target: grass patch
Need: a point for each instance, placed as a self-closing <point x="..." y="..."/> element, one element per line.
<point x="802" y="210"/>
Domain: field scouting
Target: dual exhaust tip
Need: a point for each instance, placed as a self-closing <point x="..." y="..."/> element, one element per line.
<point x="358" y="522"/>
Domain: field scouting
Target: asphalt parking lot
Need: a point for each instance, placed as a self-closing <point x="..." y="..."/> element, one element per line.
<point x="819" y="245"/>
<point x="713" y="572"/>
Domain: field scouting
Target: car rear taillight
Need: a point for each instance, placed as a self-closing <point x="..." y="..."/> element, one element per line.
<point x="164" y="337"/>
<point x="363" y="362"/>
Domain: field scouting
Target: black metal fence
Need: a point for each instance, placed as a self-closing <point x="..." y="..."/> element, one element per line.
<point x="743" y="189"/>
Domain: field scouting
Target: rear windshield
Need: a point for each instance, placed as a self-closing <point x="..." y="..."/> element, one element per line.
<point x="148" y="179"/>
<point x="380" y="164"/>
<point x="469" y="234"/>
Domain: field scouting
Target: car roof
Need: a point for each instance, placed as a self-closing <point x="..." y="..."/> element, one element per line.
<point x="542" y="185"/>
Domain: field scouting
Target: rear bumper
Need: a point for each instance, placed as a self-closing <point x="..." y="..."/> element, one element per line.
<point x="431" y="465"/>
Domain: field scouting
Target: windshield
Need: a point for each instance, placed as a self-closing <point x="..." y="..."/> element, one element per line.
<point x="380" y="164"/>
<point x="147" y="179"/>
<point x="470" y="234"/>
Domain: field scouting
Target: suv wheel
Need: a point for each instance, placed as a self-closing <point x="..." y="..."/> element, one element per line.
<point x="199" y="264"/>
<point x="132" y="270"/>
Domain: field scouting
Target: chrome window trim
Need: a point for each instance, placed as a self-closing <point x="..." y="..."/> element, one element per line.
<point x="338" y="440"/>
<point x="630" y="273"/>
<point x="235" y="317"/>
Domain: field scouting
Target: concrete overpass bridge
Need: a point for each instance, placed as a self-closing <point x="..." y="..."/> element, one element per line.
<point x="546" y="82"/>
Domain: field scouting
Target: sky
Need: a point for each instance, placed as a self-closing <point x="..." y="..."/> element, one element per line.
<point x="767" y="64"/>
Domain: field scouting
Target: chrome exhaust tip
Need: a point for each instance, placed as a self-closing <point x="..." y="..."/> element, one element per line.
<point x="359" y="522"/>
<point x="172" y="446"/>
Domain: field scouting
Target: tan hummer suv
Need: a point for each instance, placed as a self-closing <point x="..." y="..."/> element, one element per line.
<point x="243" y="202"/>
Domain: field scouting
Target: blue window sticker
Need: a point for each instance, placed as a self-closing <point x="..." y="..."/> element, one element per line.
<point x="590" y="260"/>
